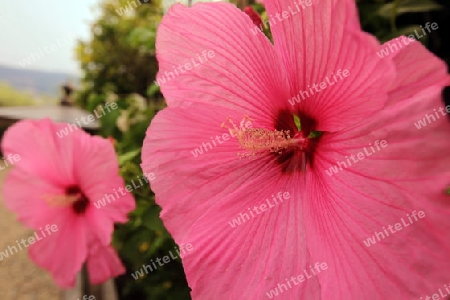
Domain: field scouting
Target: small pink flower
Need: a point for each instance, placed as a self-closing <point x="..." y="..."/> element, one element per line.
<point x="256" y="18"/>
<point x="112" y="140"/>
<point x="56" y="182"/>
<point x="323" y="70"/>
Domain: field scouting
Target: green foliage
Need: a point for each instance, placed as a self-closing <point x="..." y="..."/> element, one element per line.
<point x="397" y="8"/>
<point x="297" y="122"/>
<point x="388" y="19"/>
<point x="11" y="97"/>
<point x="120" y="55"/>
<point x="142" y="239"/>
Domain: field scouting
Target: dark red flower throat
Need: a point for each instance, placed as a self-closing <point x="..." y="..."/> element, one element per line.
<point x="295" y="159"/>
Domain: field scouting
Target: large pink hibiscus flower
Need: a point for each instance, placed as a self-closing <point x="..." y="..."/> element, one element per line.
<point x="305" y="202"/>
<point x="56" y="182"/>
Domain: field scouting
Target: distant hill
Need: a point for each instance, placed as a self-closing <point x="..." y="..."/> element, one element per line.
<point x="36" y="82"/>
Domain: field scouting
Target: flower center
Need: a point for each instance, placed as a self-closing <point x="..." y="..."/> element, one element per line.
<point x="302" y="128"/>
<point x="73" y="196"/>
<point x="261" y="140"/>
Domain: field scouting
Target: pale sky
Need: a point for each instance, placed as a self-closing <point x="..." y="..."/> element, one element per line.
<point x="44" y="32"/>
<point x="28" y="27"/>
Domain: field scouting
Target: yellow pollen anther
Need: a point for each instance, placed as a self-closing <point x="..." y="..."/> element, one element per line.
<point x="257" y="140"/>
<point x="61" y="200"/>
<point x="235" y="129"/>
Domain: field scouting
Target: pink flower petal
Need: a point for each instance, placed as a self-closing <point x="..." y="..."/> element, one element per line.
<point x="198" y="212"/>
<point x="410" y="80"/>
<point x="316" y="42"/>
<point x="110" y="202"/>
<point x="256" y="257"/>
<point x="37" y="155"/>
<point x="103" y="263"/>
<point x="181" y="160"/>
<point x="110" y="207"/>
<point x="186" y="34"/>
<point x="410" y="174"/>
<point x="27" y="203"/>
<point x="62" y="253"/>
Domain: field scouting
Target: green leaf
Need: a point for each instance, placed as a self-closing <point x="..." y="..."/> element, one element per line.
<point x="297" y="123"/>
<point x="406" y="31"/>
<point x="368" y="12"/>
<point x="152" y="89"/>
<point x="151" y="218"/>
<point x="448" y="191"/>
<point x="123" y="158"/>
<point x="141" y="36"/>
<point x="408" y="6"/>
<point x="315" y="134"/>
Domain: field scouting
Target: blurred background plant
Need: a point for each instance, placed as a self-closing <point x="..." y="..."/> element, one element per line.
<point x="390" y="19"/>
<point x="119" y="65"/>
<point x="9" y="96"/>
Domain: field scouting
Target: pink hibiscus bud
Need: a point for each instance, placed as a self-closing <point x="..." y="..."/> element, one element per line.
<point x="112" y="140"/>
<point x="68" y="189"/>
<point x="256" y="18"/>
